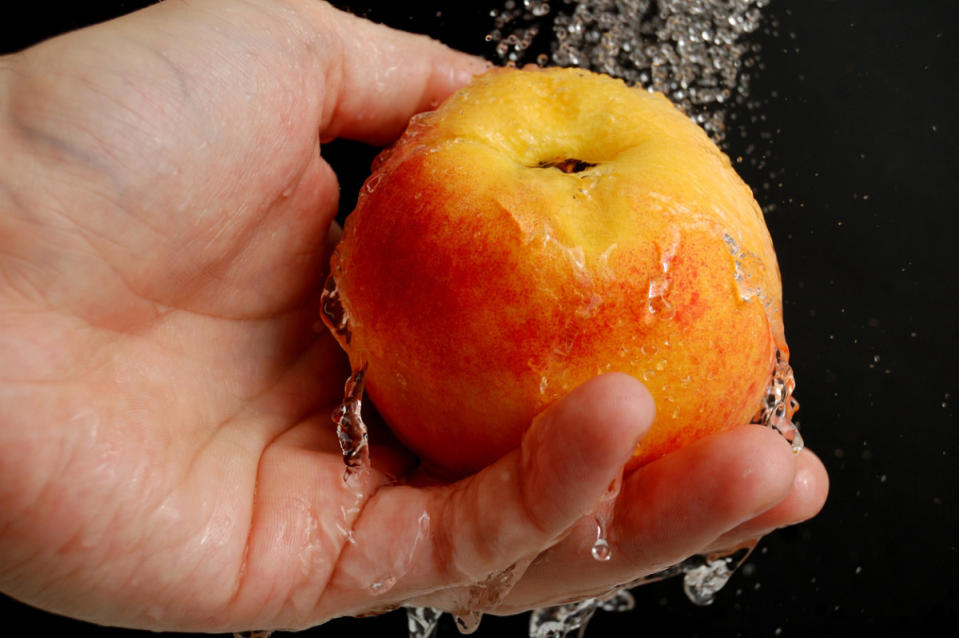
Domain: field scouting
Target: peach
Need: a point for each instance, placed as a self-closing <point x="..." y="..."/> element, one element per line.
<point x="542" y="227"/>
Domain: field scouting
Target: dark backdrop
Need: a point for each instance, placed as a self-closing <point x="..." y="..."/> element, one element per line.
<point x="859" y="175"/>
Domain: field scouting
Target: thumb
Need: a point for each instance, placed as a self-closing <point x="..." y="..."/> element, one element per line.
<point x="512" y="510"/>
<point x="576" y="448"/>
<point x="527" y="501"/>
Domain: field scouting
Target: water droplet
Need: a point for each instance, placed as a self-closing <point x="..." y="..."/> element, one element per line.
<point x="469" y="622"/>
<point x="382" y="585"/>
<point x="600" y="549"/>
<point x="657" y="303"/>
<point x="537" y="7"/>
<point x="373" y="182"/>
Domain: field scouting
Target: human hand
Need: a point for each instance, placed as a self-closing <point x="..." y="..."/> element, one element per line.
<point x="166" y="455"/>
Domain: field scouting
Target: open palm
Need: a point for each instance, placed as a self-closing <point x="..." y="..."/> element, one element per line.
<point x="166" y="455"/>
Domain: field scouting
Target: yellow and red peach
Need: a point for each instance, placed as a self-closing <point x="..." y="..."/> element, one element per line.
<point x="542" y="227"/>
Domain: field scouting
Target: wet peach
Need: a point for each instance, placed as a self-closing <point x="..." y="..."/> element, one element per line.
<point x="542" y="227"/>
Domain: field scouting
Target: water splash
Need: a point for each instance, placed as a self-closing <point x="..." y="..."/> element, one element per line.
<point x="779" y="405"/>
<point x="748" y="272"/>
<point x="694" y="51"/>
<point x="705" y="576"/>
<point x="332" y="312"/>
<point x="421" y="622"/>
<point x="618" y="601"/>
<point x="560" y="621"/>
<point x="350" y="428"/>
<point x="485" y="595"/>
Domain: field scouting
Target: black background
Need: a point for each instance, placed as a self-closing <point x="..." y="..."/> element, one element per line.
<point x="857" y="168"/>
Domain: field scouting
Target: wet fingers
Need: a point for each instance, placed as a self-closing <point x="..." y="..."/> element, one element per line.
<point x="464" y="545"/>
<point x="805" y="499"/>
<point x="667" y="511"/>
